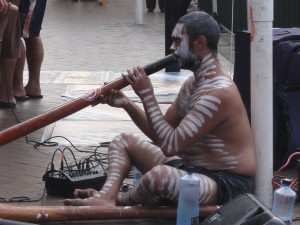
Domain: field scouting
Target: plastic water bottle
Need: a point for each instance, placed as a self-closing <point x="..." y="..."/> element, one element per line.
<point x="284" y="202"/>
<point x="188" y="204"/>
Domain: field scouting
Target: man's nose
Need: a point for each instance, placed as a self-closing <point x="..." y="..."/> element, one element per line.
<point x="172" y="48"/>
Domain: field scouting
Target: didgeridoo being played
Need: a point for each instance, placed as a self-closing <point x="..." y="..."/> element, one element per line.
<point x="90" y="98"/>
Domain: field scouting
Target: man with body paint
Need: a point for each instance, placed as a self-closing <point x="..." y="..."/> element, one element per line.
<point x="206" y="128"/>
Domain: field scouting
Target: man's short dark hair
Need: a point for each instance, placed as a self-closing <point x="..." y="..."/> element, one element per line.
<point x="200" y="23"/>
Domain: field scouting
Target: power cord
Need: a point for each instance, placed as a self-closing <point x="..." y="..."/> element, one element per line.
<point x="277" y="177"/>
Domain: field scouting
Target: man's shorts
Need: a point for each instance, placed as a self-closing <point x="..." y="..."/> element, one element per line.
<point x="10" y="33"/>
<point x="35" y="23"/>
<point x="230" y="185"/>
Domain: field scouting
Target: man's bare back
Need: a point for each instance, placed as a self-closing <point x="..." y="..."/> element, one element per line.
<point x="213" y="111"/>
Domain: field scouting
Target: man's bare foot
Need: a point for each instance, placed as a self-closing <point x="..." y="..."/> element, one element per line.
<point x="91" y="201"/>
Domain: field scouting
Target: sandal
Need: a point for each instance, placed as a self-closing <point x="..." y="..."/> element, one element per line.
<point x="34" y="96"/>
<point x="5" y="105"/>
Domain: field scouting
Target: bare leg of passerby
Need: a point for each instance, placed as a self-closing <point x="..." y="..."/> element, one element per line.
<point x="18" y="85"/>
<point x="7" y="67"/>
<point x="35" y="56"/>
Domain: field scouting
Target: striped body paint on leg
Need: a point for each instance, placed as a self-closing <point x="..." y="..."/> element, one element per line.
<point x="119" y="158"/>
<point x="162" y="183"/>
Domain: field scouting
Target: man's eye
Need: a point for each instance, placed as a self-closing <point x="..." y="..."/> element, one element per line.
<point x="177" y="41"/>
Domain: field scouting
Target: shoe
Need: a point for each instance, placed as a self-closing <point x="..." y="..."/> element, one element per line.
<point x="21" y="98"/>
<point x="162" y="10"/>
<point x="5" y="105"/>
<point x="34" y="96"/>
<point x="150" y="10"/>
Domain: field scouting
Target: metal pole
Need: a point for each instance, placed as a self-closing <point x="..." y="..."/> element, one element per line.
<point x="139" y="12"/>
<point x="215" y="6"/>
<point x="262" y="97"/>
<point x="248" y="15"/>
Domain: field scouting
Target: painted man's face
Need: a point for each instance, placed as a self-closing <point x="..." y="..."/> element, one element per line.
<point x="182" y="48"/>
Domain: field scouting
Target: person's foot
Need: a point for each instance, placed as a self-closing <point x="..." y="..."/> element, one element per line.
<point x="91" y="201"/>
<point x="33" y="92"/>
<point x="20" y="94"/>
<point x="150" y="10"/>
<point x="162" y="10"/>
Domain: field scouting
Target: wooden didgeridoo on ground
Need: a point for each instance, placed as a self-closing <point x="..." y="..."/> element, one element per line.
<point x="42" y="214"/>
<point x="77" y="104"/>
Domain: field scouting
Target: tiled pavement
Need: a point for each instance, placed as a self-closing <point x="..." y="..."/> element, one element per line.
<point x="85" y="45"/>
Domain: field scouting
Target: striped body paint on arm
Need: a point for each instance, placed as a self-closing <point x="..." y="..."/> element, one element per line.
<point x="196" y="107"/>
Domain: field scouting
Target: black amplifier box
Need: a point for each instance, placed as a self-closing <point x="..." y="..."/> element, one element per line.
<point x="63" y="184"/>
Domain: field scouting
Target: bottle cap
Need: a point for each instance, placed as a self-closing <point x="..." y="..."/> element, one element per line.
<point x="190" y="170"/>
<point x="286" y="182"/>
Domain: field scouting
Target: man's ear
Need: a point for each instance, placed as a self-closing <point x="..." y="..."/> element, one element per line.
<point x="201" y="42"/>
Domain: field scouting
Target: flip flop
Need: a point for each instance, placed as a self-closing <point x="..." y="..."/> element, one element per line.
<point x="21" y="98"/>
<point x="34" y="96"/>
<point x="5" y="105"/>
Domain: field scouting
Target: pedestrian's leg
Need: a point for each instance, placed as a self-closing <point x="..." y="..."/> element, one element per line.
<point x="184" y="4"/>
<point x="9" y="38"/>
<point x="35" y="56"/>
<point x="18" y="85"/>
<point x="150" y="4"/>
<point x="161" y="4"/>
<point x="7" y="67"/>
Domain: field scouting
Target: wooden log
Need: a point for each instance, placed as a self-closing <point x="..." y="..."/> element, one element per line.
<point x="42" y="214"/>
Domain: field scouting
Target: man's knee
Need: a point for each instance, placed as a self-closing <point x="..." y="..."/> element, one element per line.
<point x="126" y="138"/>
<point x="157" y="177"/>
<point x="121" y="141"/>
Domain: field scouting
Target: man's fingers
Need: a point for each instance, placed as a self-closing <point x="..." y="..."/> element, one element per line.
<point x="74" y="202"/>
<point x="79" y="193"/>
<point x="141" y="71"/>
<point x="126" y="77"/>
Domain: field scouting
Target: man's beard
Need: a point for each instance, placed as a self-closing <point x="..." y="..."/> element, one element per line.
<point x="188" y="62"/>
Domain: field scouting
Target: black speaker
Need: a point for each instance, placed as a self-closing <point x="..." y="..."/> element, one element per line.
<point x="242" y="210"/>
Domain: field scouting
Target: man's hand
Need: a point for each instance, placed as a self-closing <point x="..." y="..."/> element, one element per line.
<point x="4" y="6"/>
<point x="139" y="81"/>
<point x="115" y="98"/>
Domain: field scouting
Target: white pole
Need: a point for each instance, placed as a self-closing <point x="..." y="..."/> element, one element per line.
<point x="248" y="15"/>
<point x="262" y="97"/>
<point x="139" y="12"/>
<point x="215" y="6"/>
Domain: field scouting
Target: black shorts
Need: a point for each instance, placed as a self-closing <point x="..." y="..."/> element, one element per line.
<point x="230" y="185"/>
<point x="37" y="16"/>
